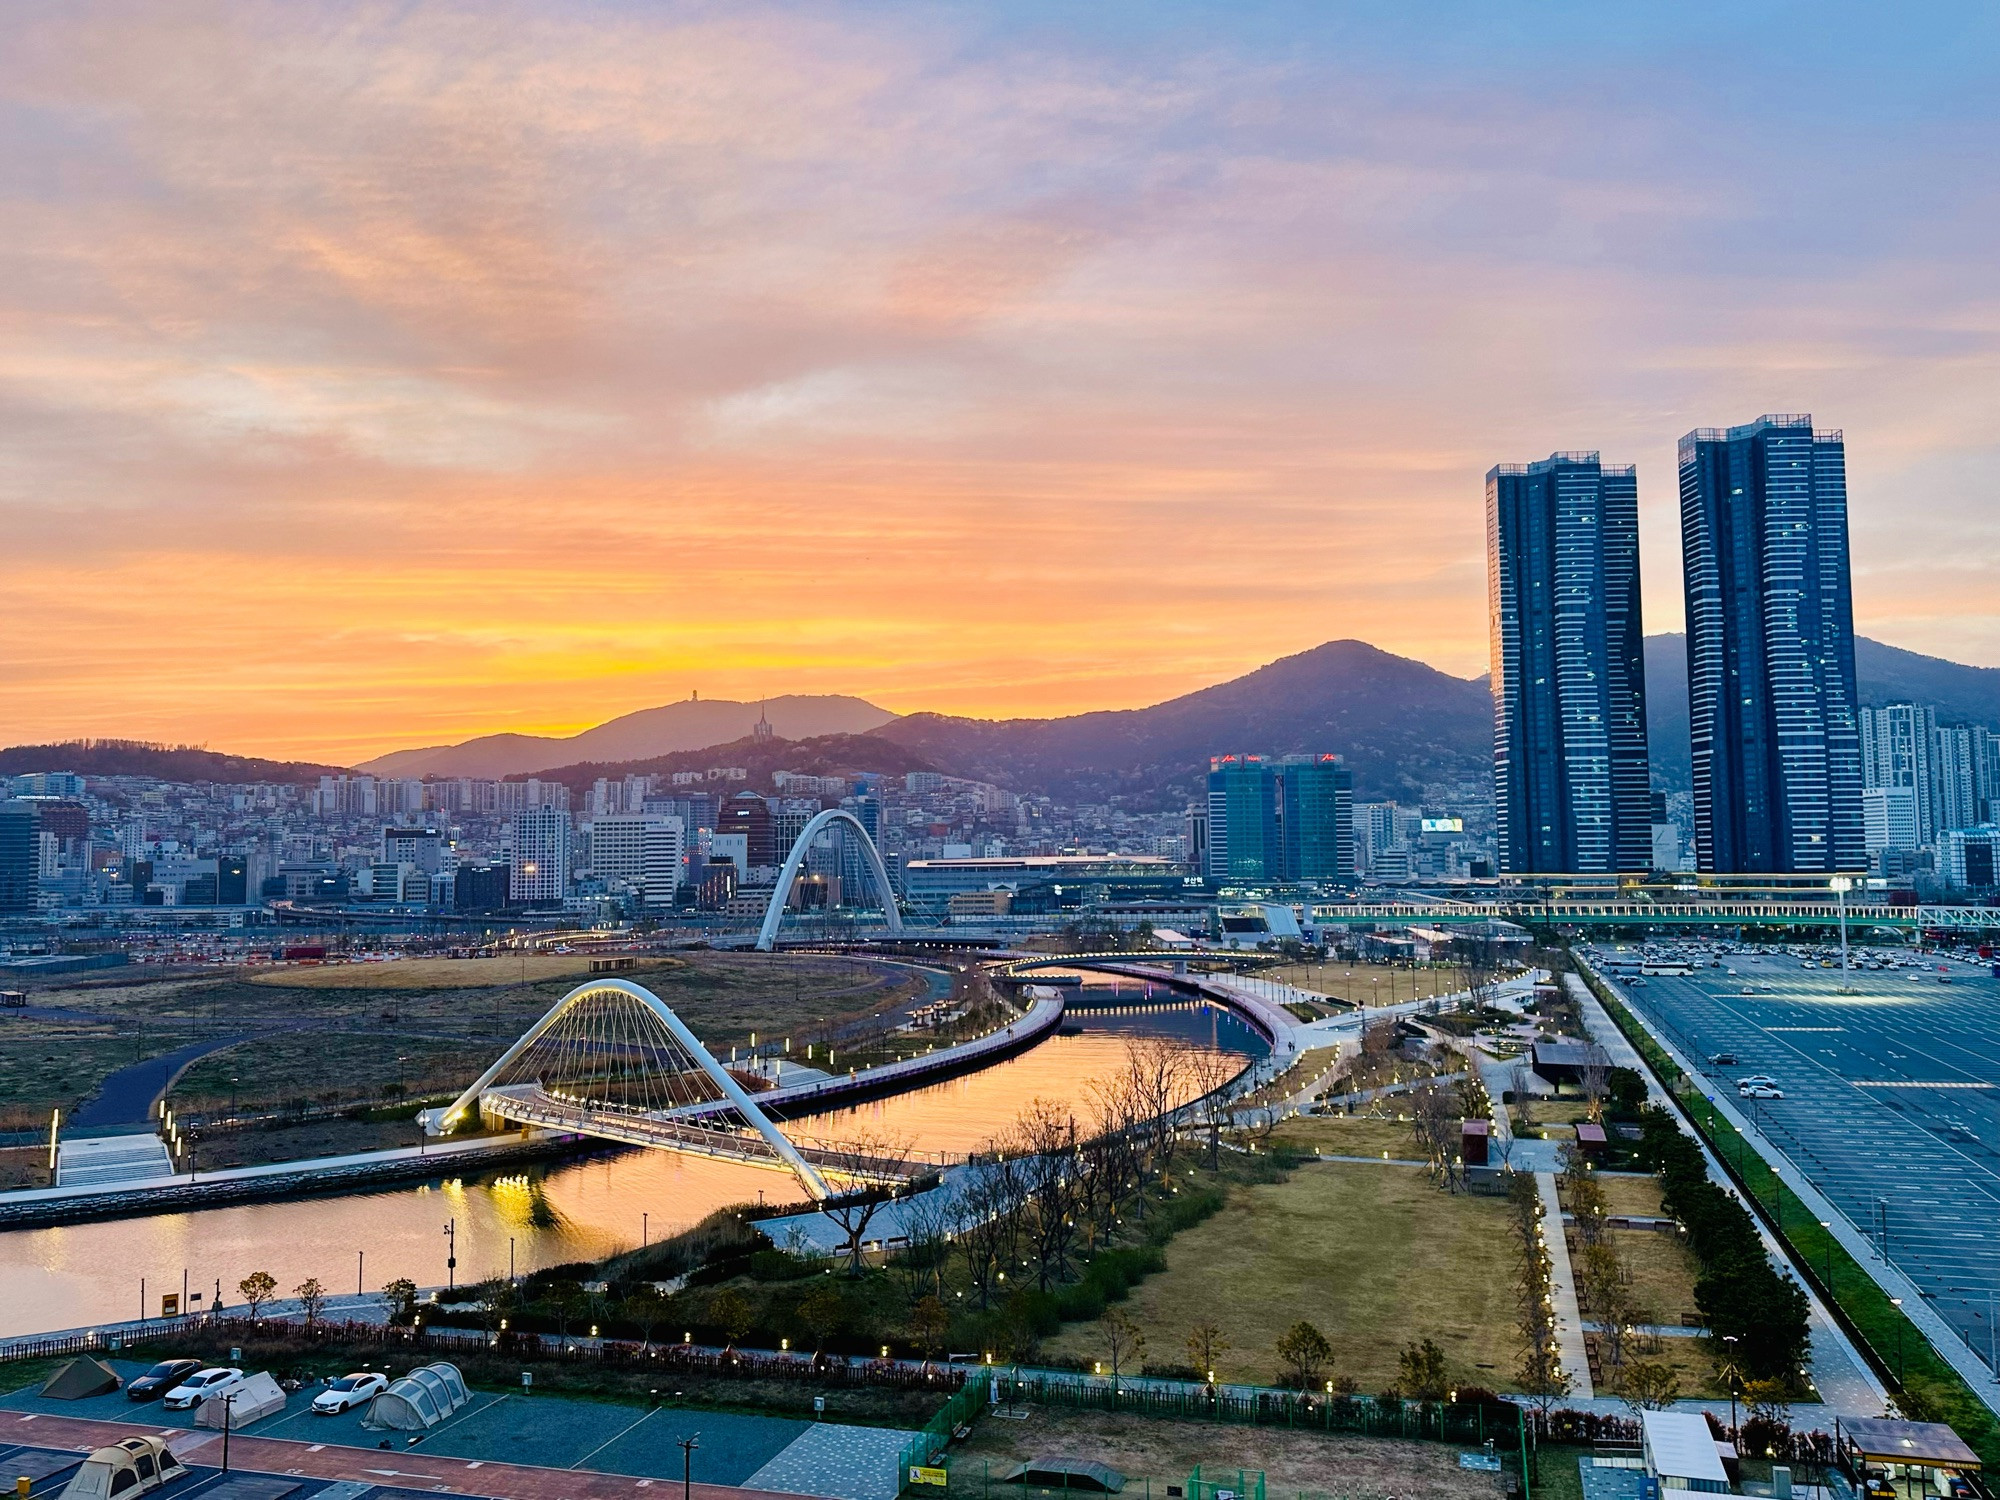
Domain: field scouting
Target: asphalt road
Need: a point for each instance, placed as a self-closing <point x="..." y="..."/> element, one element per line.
<point x="127" y="1095"/>
<point x="1891" y="1107"/>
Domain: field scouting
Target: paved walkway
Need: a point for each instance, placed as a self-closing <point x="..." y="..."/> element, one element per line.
<point x="402" y="1468"/>
<point x="1562" y="1283"/>
<point x="1845" y="1380"/>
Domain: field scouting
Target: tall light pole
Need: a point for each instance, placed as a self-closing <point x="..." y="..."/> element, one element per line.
<point x="688" y="1445"/>
<point x="1842" y="884"/>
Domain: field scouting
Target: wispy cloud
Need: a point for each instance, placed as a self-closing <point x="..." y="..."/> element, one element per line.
<point x="382" y="374"/>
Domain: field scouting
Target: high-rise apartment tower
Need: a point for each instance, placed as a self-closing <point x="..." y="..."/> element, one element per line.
<point x="1770" y="642"/>
<point x="1570" y="772"/>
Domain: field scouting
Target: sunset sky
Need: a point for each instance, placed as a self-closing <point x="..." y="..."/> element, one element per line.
<point x="375" y="376"/>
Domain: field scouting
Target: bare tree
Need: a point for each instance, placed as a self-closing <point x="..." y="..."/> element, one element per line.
<point x="1524" y="1095"/>
<point x="869" y="1156"/>
<point x="1206" y="1343"/>
<point x="992" y="1199"/>
<point x="1594" y="1078"/>
<point x="1210" y="1074"/>
<point x="1047" y="1139"/>
<point x="1124" y="1341"/>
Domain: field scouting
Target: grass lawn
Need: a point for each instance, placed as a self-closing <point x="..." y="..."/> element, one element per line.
<point x="1153" y="1454"/>
<point x="1662" y="1272"/>
<point x="271" y="1071"/>
<point x="1687" y="1358"/>
<point x="1374" y="1256"/>
<point x="445" y="973"/>
<point x="47" y="1063"/>
<point x="1349" y="1135"/>
<point x="1627" y="1194"/>
<point x="1368" y="984"/>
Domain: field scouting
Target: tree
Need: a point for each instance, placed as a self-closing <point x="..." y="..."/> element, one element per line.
<point x="1421" y="1374"/>
<point x="730" y="1311"/>
<point x="1046" y="1137"/>
<point x="256" y="1289"/>
<point x="312" y="1299"/>
<point x="566" y="1301"/>
<point x="1304" y="1352"/>
<point x="399" y="1298"/>
<point x="1206" y="1343"/>
<point x="867" y="1156"/>
<point x="644" y="1309"/>
<point x="930" y="1321"/>
<point x="1650" y="1386"/>
<point x="821" y="1310"/>
<point x="1124" y="1341"/>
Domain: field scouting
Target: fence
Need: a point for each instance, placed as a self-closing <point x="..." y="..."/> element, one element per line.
<point x="960" y="1411"/>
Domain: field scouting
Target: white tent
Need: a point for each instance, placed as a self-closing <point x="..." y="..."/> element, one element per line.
<point x="257" y="1397"/>
<point x="423" y="1398"/>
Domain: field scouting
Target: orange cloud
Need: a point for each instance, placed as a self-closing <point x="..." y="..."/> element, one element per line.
<point x="377" y="376"/>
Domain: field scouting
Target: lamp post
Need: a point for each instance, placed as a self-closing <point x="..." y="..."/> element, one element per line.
<point x="451" y="1254"/>
<point x="1842" y="884"/>
<point x="688" y="1445"/>
<point x="1734" y="1379"/>
<point x="1827" y="1225"/>
<point x="1897" y="1303"/>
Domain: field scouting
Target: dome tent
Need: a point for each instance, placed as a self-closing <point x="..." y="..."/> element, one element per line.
<point x="423" y="1398"/>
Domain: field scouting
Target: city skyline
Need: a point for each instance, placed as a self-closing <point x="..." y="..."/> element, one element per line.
<point x="458" y="377"/>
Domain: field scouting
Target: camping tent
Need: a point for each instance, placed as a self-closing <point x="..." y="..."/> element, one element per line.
<point x="128" y="1469"/>
<point x="423" y="1398"/>
<point x="80" y="1378"/>
<point x="1053" y="1472"/>
<point x="257" y="1397"/>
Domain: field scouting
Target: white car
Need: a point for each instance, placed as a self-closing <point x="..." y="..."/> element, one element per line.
<point x="200" y="1386"/>
<point x="1752" y="1080"/>
<point x="349" y="1391"/>
<point x="1762" y="1091"/>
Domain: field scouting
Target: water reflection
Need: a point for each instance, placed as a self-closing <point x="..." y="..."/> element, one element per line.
<point x="74" y="1275"/>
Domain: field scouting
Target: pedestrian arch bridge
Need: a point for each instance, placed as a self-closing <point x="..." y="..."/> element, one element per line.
<point x="612" y="1060"/>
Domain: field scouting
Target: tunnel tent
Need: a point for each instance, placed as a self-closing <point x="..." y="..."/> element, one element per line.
<point x="423" y="1398"/>
<point x="249" y="1402"/>
<point x="81" y="1377"/>
<point x="1055" y="1471"/>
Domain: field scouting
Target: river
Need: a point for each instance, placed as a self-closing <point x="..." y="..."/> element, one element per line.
<point x="78" y="1274"/>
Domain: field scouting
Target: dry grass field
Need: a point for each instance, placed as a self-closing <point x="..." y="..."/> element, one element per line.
<point x="1374" y="1256"/>
<point x="1349" y="1135"/>
<point x="1164" y="1452"/>
<point x="1369" y="984"/>
<point x="406" y="974"/>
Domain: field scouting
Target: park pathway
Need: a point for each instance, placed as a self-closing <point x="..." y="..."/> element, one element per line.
<point x="1562" y="1285"/>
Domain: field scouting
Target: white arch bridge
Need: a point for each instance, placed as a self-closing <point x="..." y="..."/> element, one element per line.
<point x="767" y="935"/>
<point x="612" y="1060"/>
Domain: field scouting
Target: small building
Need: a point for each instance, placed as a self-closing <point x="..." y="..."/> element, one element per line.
<point x="1680" y="1452"/>
<point x="1566" y="1062"/>
<point x="1901" y="1448"/>
<point x="1590" y="1140"/>
<point x="1474" y="1136"/>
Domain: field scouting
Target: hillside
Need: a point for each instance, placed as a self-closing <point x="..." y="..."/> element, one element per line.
<point x="1883" y="674"/>
<point x="689" y="725"/>
<point x="1400" y="723"/>
<point x="167" y="762"/>
<point x="823" y="755"/>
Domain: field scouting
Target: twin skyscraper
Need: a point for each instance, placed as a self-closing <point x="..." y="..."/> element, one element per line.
<point x="1770" y="647"/>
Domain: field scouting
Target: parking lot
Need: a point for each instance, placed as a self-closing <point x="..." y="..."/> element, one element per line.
<point x="1891" y="1096"/>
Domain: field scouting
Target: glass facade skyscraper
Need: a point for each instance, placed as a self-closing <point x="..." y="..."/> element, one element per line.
<point x="1770" y="642"/>
<point x="1282" y="820"/>
<point x="1570" y="771"/>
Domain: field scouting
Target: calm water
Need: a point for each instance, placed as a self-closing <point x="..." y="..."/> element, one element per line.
<point x="80" y="1274"/>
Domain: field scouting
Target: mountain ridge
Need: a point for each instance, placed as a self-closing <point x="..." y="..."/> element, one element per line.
<point x="643" y="734"/>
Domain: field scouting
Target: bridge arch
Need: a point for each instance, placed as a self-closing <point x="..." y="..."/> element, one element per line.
<point x="767" y="935"/>
<point x="688" y="1043"/>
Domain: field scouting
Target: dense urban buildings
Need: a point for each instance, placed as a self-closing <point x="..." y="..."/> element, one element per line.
<point x="1279" y="820"/>
<point x="1770" y="641"/>
<point x="1570" y="771"/>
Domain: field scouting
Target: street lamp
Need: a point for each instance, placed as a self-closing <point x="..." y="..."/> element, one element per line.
<point x="1897" y="1303"/>
<point x="1734" y="1378"/>
<point x="1842" y="884"/>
